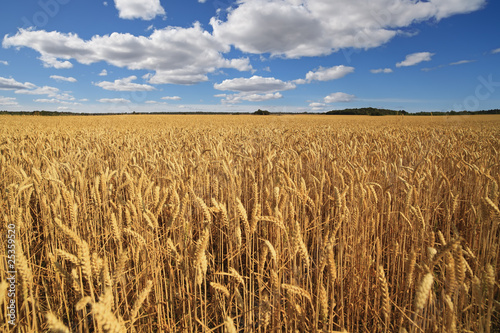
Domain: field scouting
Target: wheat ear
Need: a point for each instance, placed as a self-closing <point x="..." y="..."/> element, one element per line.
<point x="55" y="325"/>
<point x="423" y="291"/>
<point x="140" y="299"/>
<point x="386" y="304"/>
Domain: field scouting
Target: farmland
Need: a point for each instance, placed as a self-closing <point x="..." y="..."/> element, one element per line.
<point x="145" y="223"/>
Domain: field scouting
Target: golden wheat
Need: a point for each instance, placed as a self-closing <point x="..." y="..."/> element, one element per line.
<point x="195" y="223"/>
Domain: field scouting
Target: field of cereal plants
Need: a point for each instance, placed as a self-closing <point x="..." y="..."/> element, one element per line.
<point x="304" y="223"/>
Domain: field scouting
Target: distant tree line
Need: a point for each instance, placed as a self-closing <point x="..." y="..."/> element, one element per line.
<point x="451" y="113"/>
<point x="262" y="112"/>
<point x="369" y="111"/>
<point x="386" y="112"/>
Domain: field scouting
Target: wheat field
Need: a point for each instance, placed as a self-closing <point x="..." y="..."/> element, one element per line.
<point x="239" y="223"/>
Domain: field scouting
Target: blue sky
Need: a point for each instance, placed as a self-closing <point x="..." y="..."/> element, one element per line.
<point x="279" y="55"/>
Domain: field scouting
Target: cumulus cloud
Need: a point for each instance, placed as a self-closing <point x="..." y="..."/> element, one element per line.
<point x="124" y="84"/>
<point x="142" y="9"/>
<point x="114" y="100"/>
<point x="461" y="62"/>
<point x="53" y="101"/>
<point x="381" y="70"/>
<point x="46" y="90"/>
<point x="177" y="55"/>
<point x="317" y="106"/>
<point x="327" y="74"/>
<point x="296" y="28"/>
<point x="171" y="98"/>
<point x="11" y="84"/>
<point x="495" y="51"/>
<point x="415" y="58"/>
<point x="3" y="62"/>
<point x="339" y="97"/>
<point x="103" y="73"/>
<point x="8" y="101"/>
<point x="63" y="78"/>
<point x="238" y="98"/>
<point x="255" y="84"/>
<point x="253" y="89"/>
<point x="50" y="61"/>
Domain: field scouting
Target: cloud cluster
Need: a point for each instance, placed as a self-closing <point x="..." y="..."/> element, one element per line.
<point x="114" y="100"/>
<point x="63" y="78"/>
<point x="240" y="97"/>
<point x="381" y="70"/>
<point x="328" y="74"/>
<point x="297" y="28"/>
<point x="415" y="58"/>
<point x="142" y="9"/>
<point x="8" y="101"/>
<point x="177" y="55"/>
<point x="255" y="84"/>
<point x="29" y="88"/>
<point x="339" y="97"/>
<point x="253" y="89"/>
<point x="124" y="84"/>
<point x="12" y="84"/>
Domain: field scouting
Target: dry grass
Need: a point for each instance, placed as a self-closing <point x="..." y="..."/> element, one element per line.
<point x="252" y="224"/>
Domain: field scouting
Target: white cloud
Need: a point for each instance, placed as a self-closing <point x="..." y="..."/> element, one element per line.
<point x="461" y="62"/>
<point x="317" y="106"/>
<point x="381" y="70"/>
<point x="296" y="28"/>
<point x="3" y="62"/>
<point x="496" y="51"/>
<point x="143" y="9"/>
<point x="51" y="61"/>
<point x="63" y="78"/>
<point x="415" y="58"/>
<point x="46" y="90"/>
<point x="327" y="74"/>
<point x="339" y="97"/>
<point x="124" y="84"/>
<point x="238" y="98"/>
<point x="11" y="84"/>
<point x="253" y="89"/>
<point x="171" y="98"/>
<point x="52" y="100"/>
<point x="255" y="84"/>
<point x="261" y="97"/>
<point x="177" y="55"/>
<point x="114" y="100"/>
<point x="103" y="73"/>
<point x="8" y="101"/>
<point x="300" y="81"/>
